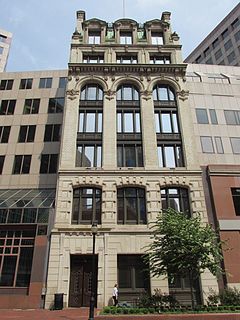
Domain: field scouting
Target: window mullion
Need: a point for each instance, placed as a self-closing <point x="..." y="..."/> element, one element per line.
<point x="17" y="264"/>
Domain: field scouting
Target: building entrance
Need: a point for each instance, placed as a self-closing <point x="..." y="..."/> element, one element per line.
<point x="81" y="280"/>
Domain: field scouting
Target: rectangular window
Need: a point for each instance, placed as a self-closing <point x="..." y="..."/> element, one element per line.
<point x="55" y="105"/>
<point x="157" y="38"/>
<point x="62" y="82"/>
<point x="131" y="59"/>
<point x="237" y="36"/>
<point x="232" y="117"/>
<point x="94" y="37"/>
<point x="207" y="144"/>
<point x="89" y="156"/>
<point x="129" y="155"/>
<point x="22" y="164"/>
<point x="228" y="44"/>
<point x="45" y="83"/>
<point x="219" y="145"/>
<point x="3" y="38"/>
<point x="213" y="116"/>
<point x="236" y="200"/>
<point x="93" y="58"/>
<point x="206" y="52"/>
<point x="2" y="158"/>
<point x="26" y="83"/>
<point x="125" y="37"/>
<point x="166" y="122"/>
<point x="128" y="122"/>
<point x="49" y="163"/>
<point x="170" y="156"/>
<point x="26" y="134"/>
<point x="16" y="253"/>
<point x="215" y="43"/>
<point x="160" y="59"/>
<point x="202" y="116"/>
<point x="235" y="23"/>
<point x="235" y="142"/>
<point x="6" y="84"/>
<point x="31" y="106"/>
<point x="231" y="57"/>
<point x="218" y="54"/>
<point x="52" y="132"/>
<point x="225" y="33"/>
<point x="133" y="275"/>
<point x="90" y="122"/>
<point x="4" y="134"/>
<point x="7" y="107"/>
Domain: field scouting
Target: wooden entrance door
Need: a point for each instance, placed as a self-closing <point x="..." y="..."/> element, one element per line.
<point x="81" y="280"/>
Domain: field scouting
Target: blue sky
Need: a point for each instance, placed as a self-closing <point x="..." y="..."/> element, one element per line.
<point x="42" y="29"/>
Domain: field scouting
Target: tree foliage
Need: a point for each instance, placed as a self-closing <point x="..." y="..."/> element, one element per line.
<point x="183" y="246"/>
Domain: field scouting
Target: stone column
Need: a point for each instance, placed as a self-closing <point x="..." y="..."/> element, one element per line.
<point x="149" y="139"/>
<point x="70" y="128"/>
<point x="109" y="152"/>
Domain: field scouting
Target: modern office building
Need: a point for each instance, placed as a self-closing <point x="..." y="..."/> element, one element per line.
<point x="5" y="42"/>
<point x="31" y="110"/>
<point x="222" y="45"/>
<point x="215" y="104"/>
<point x="127" y="152"/>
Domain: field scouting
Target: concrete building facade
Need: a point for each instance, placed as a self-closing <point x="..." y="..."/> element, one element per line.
<point x="31" y="109"/>
<point x="222" y="45"/>
<point x="215" y="104"/>
<point x="5" y="42"/>
<point x="127" y="152"/>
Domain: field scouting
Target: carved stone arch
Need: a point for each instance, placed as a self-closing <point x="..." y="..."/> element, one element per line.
<point x="87" y="181"/>
<point x="93" y="80"/>
<point x="164" y="80"/>
<point x="127" y="80"/>
<point x="131" y="181"/>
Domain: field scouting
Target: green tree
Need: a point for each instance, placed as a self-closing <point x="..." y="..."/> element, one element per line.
<point x="183" y="246"/>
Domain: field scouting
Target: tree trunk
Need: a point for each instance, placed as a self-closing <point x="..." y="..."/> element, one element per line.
<point x="191" y="290"/>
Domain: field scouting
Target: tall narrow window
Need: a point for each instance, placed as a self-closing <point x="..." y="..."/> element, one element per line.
<point x="129" y="137"/>
<point x="131" y="206"/>
<point x="87" y="205"/>
<point x="89" y="137"/>
<point x="167" y="126"/>
<point x="2" y="158"/>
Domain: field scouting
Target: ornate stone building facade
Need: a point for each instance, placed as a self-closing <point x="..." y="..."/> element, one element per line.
<point x="127" y="152"/>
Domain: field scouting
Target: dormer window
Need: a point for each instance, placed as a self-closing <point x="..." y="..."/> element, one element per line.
<point x="157" y="38"/>
<point x="125" y="37"/>
<point x="94" y="37"/>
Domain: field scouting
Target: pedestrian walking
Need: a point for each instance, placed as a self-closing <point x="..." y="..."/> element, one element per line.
<point x="115" y="295"/>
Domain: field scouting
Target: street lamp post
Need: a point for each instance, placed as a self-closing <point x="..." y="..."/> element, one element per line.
<point x="94" y="230"/>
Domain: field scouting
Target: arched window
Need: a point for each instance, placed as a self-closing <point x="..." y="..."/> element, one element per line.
<point x="162" y="92"/>
<point x="167" y="127"/>
<point x="127" y="93"/>
<point x="175" y="198"/>
<point x="129" y="138"/>
<point x="87" y="203"/>
<point x="92" y="92"/>
<point x="131" y="206"/>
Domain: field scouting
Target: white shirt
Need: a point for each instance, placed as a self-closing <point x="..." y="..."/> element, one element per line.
<point x="115" y="292"/>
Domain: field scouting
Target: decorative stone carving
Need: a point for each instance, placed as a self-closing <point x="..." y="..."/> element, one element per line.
<point x="183" y="94"/>
<point x="146" y="94"/>
<point x="72" y="94"/>
<point x="109" y="94"/>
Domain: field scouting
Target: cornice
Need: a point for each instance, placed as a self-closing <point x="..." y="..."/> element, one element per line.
<point x="127" y="69"/>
